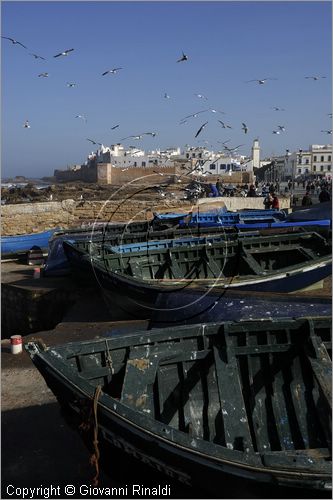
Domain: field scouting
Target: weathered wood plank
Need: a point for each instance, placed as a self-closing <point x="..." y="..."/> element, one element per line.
<point x="214" y="413"/>
<point x="279" y="404"/>
<point x="138" y="384"/>
<point x="236" y="427"/>
<point x="298" y="390"/>
<point x="192" y="393"/>
<point x="169" y="395"/>
<point x="260" y="417"/>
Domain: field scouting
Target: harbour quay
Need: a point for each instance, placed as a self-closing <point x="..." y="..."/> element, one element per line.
<point x="59" y="310"/>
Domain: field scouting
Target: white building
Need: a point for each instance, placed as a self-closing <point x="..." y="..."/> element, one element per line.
<point x="300" y="164"/>
<point x="215" y="163"/>
<point x="207" y="161"/>
<point x="317" y="162"/>
<point x="120" y="157"/>
<point x="321" y="159"/>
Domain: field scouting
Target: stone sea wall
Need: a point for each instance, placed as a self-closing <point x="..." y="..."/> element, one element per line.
<point x="28" y="218"/>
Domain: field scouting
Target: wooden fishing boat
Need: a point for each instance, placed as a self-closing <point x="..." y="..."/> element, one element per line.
<point x="220" y="216"/>
<point x="132" y="281"/>
<point x="18" y="244"/>
<point x="135" y="232"/>
<point x="58" y="265"/>
<point x="205" y="403"/>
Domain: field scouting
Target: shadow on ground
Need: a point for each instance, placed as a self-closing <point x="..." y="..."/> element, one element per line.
<point x="40" y="449"/>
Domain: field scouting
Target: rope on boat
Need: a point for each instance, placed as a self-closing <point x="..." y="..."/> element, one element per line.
<point x="94" y="459"/>
<point x="108" y="357"/>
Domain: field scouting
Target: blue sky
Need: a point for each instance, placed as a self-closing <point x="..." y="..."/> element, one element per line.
<point x="227" y="43"/>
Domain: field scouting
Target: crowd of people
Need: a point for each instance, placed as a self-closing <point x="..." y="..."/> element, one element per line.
<point x="269" y="191"/>
<point x="323" y="190"/>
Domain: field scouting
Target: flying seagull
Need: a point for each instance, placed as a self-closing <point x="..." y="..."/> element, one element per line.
<point x="36" y="56"/>
<point x="281" y="128"/>
<point x="166" y="96"/>
<point x="153" y="134"/>
<point x="200" y="129"/>
<point x="71" y="85"/>
<point x="216" y="111"/>
<point x="64" y="53"/>
<point x="262" y="81"/>
<point x="26" y="124"/>
<point x="82" y="118"/>
<point x="327" y="131"/>
<point x="94" y="142"/>
<point x="113" y="71"/>
<point x="224" y="125"/>
<point x="230" y="150"/>
<point x="14" y="41"/>
<point x="201" y="96"/>
<point x="116" y="126"/>
<point x="276" y="132"/>
<point x="245" y="128"/>
<point x="44" y="75"/>
<point x="183" y="58"/>
<point x="137" y="137"/>
<point x="278" y="109"/>
<point x="224" y="142"/>
<point x="193" y="115"/>
<point x="315" y="77"/>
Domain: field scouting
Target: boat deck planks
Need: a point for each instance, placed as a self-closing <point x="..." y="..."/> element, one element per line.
<point x="250" y="397"/>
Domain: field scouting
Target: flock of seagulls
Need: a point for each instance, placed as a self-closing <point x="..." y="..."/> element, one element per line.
<point x="184" y="57"/>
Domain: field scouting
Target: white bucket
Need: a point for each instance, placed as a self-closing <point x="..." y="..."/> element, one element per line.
<point x="16" y="344"/>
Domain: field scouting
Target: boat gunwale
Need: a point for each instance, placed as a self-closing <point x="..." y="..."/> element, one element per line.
<point x="225" y="282"/>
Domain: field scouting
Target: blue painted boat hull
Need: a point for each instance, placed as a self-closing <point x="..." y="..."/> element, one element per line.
<point x="321" y="224"/>
<point x="191" y="307"/>
<point x="11" y="245"/>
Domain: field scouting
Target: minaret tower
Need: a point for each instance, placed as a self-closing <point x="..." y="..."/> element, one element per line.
<point x="256" y="154"/>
